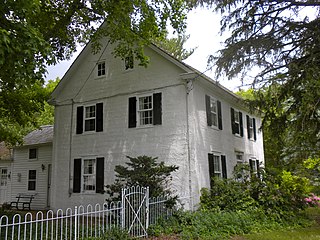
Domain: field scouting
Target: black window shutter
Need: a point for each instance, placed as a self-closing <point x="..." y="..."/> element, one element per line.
<point x="132" y="112"/>
<point x="99" y="117"/>
<point x="224" y="166"/>
<point x="233" y="124"/>
<point x="157" y="109"/>
<point x="248" y="126"/>
<point x="209" y="120"/>
<point x="219" y="115"/>
<point x="211" y="168"/>
<point x="241" y="124"/>
<point x="100" y="175"/>
<point x="77" y="175"/>
<point x="254" y="129"/>
<point x="258" y="168"/>
<point x="251" y="165"/>
<point x="79" y="127"/>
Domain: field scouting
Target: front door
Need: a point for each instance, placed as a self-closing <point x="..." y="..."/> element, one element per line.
<point x="3" y="184"/>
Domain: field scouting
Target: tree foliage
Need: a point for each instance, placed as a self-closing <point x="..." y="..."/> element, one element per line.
<point x="175" y="46"/>
<point x="35" y="34"/>
<point x="143" y="171"/>
<point x="282" y="39"/>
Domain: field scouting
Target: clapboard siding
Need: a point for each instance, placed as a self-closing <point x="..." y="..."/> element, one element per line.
<point x="22" y="165"/>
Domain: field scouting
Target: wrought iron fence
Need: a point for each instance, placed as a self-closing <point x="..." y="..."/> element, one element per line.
<point x="133" y="214"/>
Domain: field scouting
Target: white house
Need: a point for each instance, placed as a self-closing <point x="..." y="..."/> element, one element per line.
<point x="107" y="108"/>
<point x="31" y="168"/>
<point x="5" y="173"/>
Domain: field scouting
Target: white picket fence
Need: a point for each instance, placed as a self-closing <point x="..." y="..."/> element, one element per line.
<point x="133" y="214"/>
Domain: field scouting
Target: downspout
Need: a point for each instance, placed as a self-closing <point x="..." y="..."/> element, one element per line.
<point x="70" y="148"/>
<point x="189" y="87"/>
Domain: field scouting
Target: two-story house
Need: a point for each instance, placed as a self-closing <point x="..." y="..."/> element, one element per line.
<point x="107" y="108"/>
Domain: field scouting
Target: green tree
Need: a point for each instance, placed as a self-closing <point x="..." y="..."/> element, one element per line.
<point x="282" y="39"/>
<point x="35" y="34"/>
<point x="175" y="46"/>
<point x="143" y="171"/>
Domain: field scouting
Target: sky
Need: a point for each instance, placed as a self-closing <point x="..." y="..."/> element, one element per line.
<point x="203" y="27"/>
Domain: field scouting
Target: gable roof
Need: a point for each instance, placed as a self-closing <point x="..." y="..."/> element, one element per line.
<point x="39" y="136"/>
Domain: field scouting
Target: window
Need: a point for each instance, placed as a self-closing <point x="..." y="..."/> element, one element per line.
<point x="251" y="128"/>
<point x="33" y="153"/>
<point x="88" y="175"/>
<point x="101" y="69"/>
<point x="236" y="122"/>
<point x="32" y="177"/>
<point x="89" y="118"/>
<point x="217" y="166"/>
<point x="239" y="157"/>
<point x="128" y="62"/>
<point x="213" y="109"/>
<point x="3" y="177"/>
<point x="254" y="167"/>
<point x="145" y="110"/>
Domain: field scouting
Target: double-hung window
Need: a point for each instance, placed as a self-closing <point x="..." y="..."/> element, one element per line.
<point x="217" y="166"/>
<point x="145" y="110"/>
<point x="213" y="110"/>
<point x="32" y="178"/>
<point x="251" y="128"/>
<point x="89" y="118"/>
<point x="88" y="175"/>
<point x="236" y="122"/>
<point x="254" y="167"/>
<point x="101" y="69"/>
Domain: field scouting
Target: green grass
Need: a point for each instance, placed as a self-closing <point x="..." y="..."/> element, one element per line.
<point x="312" y="232"/>
<point x="297" y="234"/>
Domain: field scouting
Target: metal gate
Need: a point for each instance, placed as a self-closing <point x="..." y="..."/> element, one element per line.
<point x="135" y="207"/>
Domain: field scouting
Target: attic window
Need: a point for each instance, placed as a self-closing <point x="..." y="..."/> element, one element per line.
<point x="101" y="68"/>
<point x="128" y="62"/>
<point x="33" y="153"/>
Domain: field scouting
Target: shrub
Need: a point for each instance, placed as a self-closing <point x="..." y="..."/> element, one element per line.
<point x="143" y="171"/>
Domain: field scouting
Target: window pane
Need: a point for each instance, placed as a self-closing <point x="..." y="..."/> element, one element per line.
<point x="90" y="125"/>
<point x="32" y="174"/>
<point x="90" y="112"/>
<point x="216" y="164"/>
<point x="89" y="166"/>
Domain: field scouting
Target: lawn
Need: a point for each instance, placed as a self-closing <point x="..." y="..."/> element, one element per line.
<point x="312" y="232"/>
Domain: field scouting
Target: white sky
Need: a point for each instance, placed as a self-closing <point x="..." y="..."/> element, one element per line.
<point x="203" y="27"/>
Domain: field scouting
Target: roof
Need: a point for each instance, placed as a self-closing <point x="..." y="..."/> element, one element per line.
<point x="39" y="136"/>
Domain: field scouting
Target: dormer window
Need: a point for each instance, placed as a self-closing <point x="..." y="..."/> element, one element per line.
<point x="128" y="62"/>
<point x="101" y="69"/>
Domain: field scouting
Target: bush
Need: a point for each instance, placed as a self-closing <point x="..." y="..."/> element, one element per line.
<point x="280" y="195"/>
<point x="206" y="224"/>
